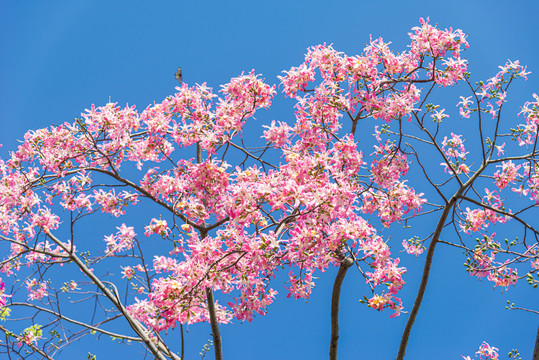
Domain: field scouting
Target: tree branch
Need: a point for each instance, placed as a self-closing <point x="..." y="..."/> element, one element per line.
<point x="346" y="263"/>
<point x="536" y="348"/>
<point x="214" y="325"/>
<point x="428" y="262"/>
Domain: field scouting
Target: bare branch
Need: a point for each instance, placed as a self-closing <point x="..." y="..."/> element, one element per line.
<point x="214" y="325"/>
<point x="345" y="264"/>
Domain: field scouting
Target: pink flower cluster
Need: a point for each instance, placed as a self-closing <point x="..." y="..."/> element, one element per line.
<point x="372" y="77"/>
<point x="394" y="198"/>
<point x="387" y="272"/>
<point x="532" y="183"/>
<point x="465" y="109"/>
<point x="393" y="203"/>
<point x="413" y="246"/>
<point x="3" y="295"/>
<point x="122" y="240"/>
<point x="388" y="165"/>
<point x="495" y="87"/>
<point x="242" y="97"/>
<point x="427" y="39"/>
<point x="508" y="174"/>
<point x="478" y="219"/>
<point x="157" y="227"/>
<point x="128" y="272"/>
<point x="485" y="265"/>
<point x="111" y="203"/>
<point x="485" y="352"/>
<point x="31" y="335"/>
<point x="456" y="154"/>
<point x="527" y="182"/>
<point x="36" y="290"/>
<point x="528" y="133"/>
<point x="278" y="135"/>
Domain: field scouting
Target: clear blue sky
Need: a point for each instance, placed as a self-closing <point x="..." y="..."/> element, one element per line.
<point x="59" y="57"/>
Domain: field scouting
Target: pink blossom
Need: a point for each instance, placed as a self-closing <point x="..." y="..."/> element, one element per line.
<point x="485" y="352"/>
<point x="413" y="247"/>
<point x="465" y="106"/>
<point x="37" y="290"/>
<point x="488" y="351"/>
<point x="508" y="174"/>
<point x="121" y="241"/>
<point x="128" y="272"/>
<point x="157" y="227"/>
<point x="278" y="135"/>
<point x="30" y="335"/>
<point x="3" y="295"/>
<point x="73" y="285"/>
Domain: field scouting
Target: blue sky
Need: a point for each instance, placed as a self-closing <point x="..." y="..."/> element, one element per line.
<point x="60" y="57"/>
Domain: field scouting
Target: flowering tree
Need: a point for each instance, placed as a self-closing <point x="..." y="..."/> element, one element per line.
<point x="228" y="211"/>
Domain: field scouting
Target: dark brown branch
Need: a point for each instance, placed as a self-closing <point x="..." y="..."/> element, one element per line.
<point x="251" y="155"/>
<point x="424" y="281"/>
<point x="214" y="325"/>
<point x="183" y="342"/>
<point x="536" y="348"/>
<point x="347" y="262"/>
<point x="428" y="262"/>
<point x="216" y="334"/>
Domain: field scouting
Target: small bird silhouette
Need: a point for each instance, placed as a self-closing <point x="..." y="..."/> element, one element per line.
<point x="178" y="75"/>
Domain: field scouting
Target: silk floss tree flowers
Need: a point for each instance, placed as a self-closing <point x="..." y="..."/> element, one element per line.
<point x="234" y="212"/>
